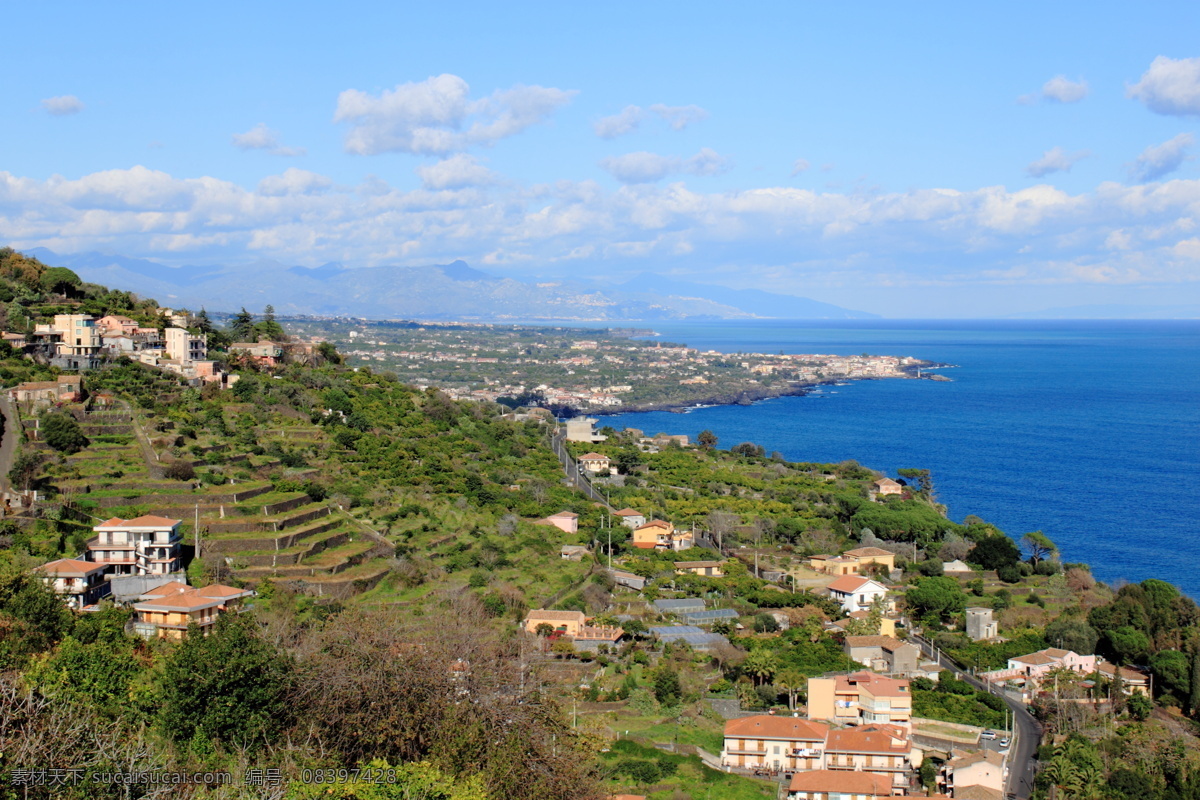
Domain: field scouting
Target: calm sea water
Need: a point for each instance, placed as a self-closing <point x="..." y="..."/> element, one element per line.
<point x="1086" y="430"/>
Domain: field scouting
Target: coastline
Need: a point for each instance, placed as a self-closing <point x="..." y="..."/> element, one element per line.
<point x="746" y="397"/>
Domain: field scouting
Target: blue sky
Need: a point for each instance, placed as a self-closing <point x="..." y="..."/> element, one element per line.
<point x="947" y="161"/>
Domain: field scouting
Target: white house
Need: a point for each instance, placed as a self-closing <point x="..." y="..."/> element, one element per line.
<point x="856" y="593"/>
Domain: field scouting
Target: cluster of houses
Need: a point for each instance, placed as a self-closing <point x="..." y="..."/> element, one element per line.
<point x="1034" y="672"/>
<point x="81" y="342"/>
<point x="855" y="744"/>
<point x="656" y="534"/>
<point x="141" y="558"/>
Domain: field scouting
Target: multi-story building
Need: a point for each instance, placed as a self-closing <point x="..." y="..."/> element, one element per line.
<point x="146" y="545"/>
<point x="827" y="784"/>
<point x="853" y="562"/>
<point x="884" y="654"/>
<point x="166" y="611"/>
<point x="985" y="768"/>
<point x="79" y="342"/>
<point x="879" y="749"/>
<point x="80" y="582"/>
<point x="860" y="698"/>
<point x="980" y="624"/>
<point x="768" y="741"/>
<point x="185" y="347"/>
<point x="659" y="534"/>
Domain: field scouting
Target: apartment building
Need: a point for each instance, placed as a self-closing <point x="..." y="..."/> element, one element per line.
<point x="147" y="545"/>
<point x="80" y="583"/>
<point x="860" y="698"/>
<point x="166" y="611"/>
<point x="772" y="742"/>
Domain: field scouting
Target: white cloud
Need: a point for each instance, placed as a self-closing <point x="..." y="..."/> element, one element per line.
<point x="801" y="165"/>
<point x="1112" y="234"/>
<point x="620" y="124"/>
<point x="1060" y="89"/>
<point x="1161" y="159"/>
<point x="1055" y="160"/>
<point x="293" y="181"/>
<point x="62" y="105"/>
<point x="437" y="116"/>
<point x="630" y="117"/>
<point x="679" y="117"/>
<point x="1171" y="86"/>
<point x="643" y="167"/>
<point x="260" y="137"/>
<point x="457" y="172"/>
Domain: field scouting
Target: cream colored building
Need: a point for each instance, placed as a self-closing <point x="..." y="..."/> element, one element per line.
<point x="853" y="562"/>
<point x="80" y="582"/>
<point x="984" y="768"/>
<point x="166" y="611"/>
<point x="825" y="784"/>
<point x="883" y="750"/>
<point x="774" y="742"/>
<point x="146" y="545"/>
<point x="185" y="347"/>
<point x="568" y="622"/>
<point x="860" y="698"/>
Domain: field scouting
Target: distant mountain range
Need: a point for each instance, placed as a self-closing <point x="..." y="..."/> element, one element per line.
<point x="444" y="291"/>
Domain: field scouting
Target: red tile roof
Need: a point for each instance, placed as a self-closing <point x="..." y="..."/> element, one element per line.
<point x="875" y="739"/>
<point x="769" y="726"/>
<point x="849" y="583"/>
<point x="840" y="781"/>
<point x="70" y="568"/>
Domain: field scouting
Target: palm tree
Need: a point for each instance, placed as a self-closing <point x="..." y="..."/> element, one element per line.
<point x="760" y="665"/>
<point x="791" y="680"/>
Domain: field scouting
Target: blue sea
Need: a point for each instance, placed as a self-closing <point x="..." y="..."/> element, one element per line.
<point x="1086" y="430"/>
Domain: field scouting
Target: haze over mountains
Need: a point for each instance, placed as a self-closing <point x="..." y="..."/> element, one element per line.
<point x="448" y="291"/>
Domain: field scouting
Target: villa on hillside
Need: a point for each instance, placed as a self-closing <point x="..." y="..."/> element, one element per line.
<point x="565" y="521"/>
<point x="630" y="518"/>
<point x="661" y="535"/>
<point x="144" y="545"/>
<point x="80" y="582"/>
<point x="854" y="593"/>
<point x="886" y="486"/>
<point x="860" y="698"/>
<point x="1029" y="670"/>
<point x="853" y="562"/>
<point x="594" y="462"/>
<point x="166" y="611"/>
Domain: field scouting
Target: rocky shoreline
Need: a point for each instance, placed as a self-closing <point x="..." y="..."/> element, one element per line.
<point x="748" y="397"/>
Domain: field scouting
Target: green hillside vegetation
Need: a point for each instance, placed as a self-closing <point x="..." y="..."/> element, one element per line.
<point x="392" y="536"/>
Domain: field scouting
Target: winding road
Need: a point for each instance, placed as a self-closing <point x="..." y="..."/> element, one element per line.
<point x="1027" y="733"/>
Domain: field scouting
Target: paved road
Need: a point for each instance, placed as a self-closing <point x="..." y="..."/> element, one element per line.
<point x="1027" y="732"/>
<point x="9" y="440"/>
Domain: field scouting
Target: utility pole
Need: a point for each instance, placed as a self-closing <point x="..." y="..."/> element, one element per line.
<point x="610" y="547"/>
<point x="197" y="531"/>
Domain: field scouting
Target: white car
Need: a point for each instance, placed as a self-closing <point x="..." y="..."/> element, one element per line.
<point x="1004" y="742"/>
<point x="988" y="735"/>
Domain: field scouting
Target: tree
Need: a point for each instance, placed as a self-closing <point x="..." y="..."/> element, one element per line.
<point x="228" y="687"/>
<point x="922" y="476"/>
<point x="1140" y="707"/>
<point x="940" y="597"/>
<point x="60" y="280"/>
<point x="180" y="470"/>
<point x="707" y="439"/>
<point x="1172" y="671"/>
<point x="24" y="469"/>
<point x="666" y="685"/>
<point x="1072" y="633"/>
<point x="1194" y="695"/>
<point x="994" y="552"/>
<point x="792" y="681"/>
<point x="544" y="629"/>
<point x="329" y="353"/>
<point x="241" y="327"/>
<point x="269" y="328"/>
<point x="63" y="433"/>
<point x="760" y="665"/>
<point x="748" y="449"/>
<point x="1039" y="546"/>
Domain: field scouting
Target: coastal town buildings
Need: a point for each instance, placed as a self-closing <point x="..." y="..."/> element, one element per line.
<point x="80" y="583"/>
<point x="167" y="611"/>
<point x="855" y="593"/>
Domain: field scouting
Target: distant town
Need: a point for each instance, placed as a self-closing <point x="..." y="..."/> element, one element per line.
<point x="587" y="370"/>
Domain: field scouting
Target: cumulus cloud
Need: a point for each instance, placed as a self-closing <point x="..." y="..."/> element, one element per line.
<point x="1058" y="89"/>
<point x="293" y="181"/>
<point x="1112" y="234"/>
<point x="62" y="105"/>
<point x="626" y="121"/>
<point x="1054" y="160"/>
<point x="1171" y="86"/>
<point x="643" y="167"/>
<point x="260" y="137"/>
<point x="457" y="172"/>
<point x="630" y="118"/>
<point x="679" y="117"/>
<point x="1161" y="159"/>
<point x="437" y="116"/>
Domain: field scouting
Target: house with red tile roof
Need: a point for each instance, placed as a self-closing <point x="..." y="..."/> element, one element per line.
<point x="774" y="742"/>
<point x="860" y="698"/>
<point x="166" y="611"/>
<point x="80" y="582"/>
<point x="884" y="750"/>
<point x="856" y="593"/>
<point x="630" y="518"/>
<point x="828" y="784"/>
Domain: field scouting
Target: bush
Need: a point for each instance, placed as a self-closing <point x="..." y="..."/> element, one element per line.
<point x="63" y="433"/>
<point x="180" y="471"/>
<point x="1046" y="568"/>
<point x="1009" y="573"/>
